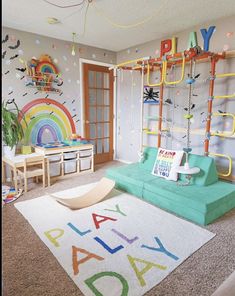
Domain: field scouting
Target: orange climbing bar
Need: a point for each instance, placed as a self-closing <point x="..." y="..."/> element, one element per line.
<point x="209" y="105"/>
<point x="160" y="110"/>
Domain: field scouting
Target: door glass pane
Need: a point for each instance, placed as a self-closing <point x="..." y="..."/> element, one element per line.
<point x="92" y="131"/>
<point x="99" y="146"/>
<point x="100" y="130"/>
<point x="99" y="79"/>
<point x="92" y="114"/>
<point x="106" y="129"/>
<point x="92" y="95"/>
<point x="100" y="97"/>
<point x="106" y="97"/>
<point x="99" y="114"/>
<point x="106" y="145"/>
<point x="106" y="80"/>
<point x="91" y="78"/>
<point x="106" y="113"/>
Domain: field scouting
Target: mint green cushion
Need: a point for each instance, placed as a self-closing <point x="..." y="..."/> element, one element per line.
<point x="150" y="155"/>
<point x="208" y="173"/>
<point x="132" y="174"/>
<point x="188" y="213"/>
<point x="202" y="199"/>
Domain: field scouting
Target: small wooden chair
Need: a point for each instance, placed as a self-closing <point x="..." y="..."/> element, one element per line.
<point x="33" y="167"/>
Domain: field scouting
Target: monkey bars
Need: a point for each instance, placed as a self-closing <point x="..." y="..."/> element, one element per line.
<point x="228" y="173"/>
<point x="181" y="59"/>
<point x="182" y="72"/>
<point x="225" y="133"/>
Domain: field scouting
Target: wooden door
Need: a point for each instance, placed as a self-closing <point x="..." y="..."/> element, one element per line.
<point x="98" y="94"/>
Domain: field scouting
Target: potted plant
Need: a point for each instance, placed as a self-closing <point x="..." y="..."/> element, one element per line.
<point x="12" y="131"/>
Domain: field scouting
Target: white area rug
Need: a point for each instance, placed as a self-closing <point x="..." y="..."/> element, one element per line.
<point x="121" y="246"/>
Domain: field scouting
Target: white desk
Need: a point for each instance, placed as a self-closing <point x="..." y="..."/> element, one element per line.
<point x="15" y="163"/>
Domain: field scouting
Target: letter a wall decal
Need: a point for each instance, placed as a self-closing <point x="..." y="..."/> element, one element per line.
<point x="91" y="280"/>
<point x="104" y="218"/>
<point x="76" y="262"/>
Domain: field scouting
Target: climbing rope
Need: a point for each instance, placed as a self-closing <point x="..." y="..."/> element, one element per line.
<point x="190" y="81"/>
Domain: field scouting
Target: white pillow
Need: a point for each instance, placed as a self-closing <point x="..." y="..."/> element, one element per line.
<point x="166" y="162"/>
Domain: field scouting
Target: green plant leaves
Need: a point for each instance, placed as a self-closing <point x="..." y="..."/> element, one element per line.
<point x="12" y="130"/>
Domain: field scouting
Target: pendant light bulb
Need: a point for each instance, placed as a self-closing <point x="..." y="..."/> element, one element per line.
<point x="73" y="51"/>
<point x="73" y="46"/>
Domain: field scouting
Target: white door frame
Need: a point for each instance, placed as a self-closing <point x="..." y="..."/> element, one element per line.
<point x="86" y="61"/>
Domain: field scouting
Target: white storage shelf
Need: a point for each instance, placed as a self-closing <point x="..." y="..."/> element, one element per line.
<point x="70" y="162"/>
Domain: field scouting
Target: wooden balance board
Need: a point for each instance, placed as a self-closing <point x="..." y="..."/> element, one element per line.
<point x="96" y="194"/>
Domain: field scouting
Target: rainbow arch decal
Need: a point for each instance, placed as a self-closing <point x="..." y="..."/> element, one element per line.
<point x="46" y="115"/>
<point x="46" y="67"/>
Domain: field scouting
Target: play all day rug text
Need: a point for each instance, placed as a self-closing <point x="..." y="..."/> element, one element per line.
<point x="122" y="246"/>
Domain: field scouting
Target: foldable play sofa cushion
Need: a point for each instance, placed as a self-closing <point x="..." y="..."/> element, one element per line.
<point x="204" y="200"/>
<point x="130" y="177"/>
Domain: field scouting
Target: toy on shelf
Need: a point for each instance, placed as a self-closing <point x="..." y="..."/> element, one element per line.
<point x="42" y="74"/>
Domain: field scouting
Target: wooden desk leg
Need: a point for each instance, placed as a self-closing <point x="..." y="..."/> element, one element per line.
<point x="92" y="163"/>
<point x="3" y="172"/>
<point x="15" y="179"/>
<point x="48" y="172"/>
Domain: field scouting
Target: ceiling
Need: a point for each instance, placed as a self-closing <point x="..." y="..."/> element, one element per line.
<point x="159" y="18"/>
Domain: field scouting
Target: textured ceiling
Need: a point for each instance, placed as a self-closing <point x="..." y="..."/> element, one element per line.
<point x="168" y="17"/>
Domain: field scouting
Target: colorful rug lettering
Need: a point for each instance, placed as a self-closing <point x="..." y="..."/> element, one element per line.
<point x="121" y="246"/>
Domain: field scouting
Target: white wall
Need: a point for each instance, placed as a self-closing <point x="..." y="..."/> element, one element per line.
<point x="60" y="52"/>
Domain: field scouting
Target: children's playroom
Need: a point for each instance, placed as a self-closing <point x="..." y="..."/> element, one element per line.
<point x="118" y="148"/>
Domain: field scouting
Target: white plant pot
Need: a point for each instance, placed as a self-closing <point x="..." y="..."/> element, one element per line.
<point x="8" y="152"/>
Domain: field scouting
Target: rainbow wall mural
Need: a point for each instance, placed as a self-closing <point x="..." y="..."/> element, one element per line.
<point x="46" y="115"/>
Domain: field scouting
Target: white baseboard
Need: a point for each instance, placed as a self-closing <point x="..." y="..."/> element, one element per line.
<point x="124" y="161"/>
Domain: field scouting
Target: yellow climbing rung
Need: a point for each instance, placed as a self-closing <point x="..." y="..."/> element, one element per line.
<point x="225" y="75"/>
<point x="182" y="72"/>
<point x="225" y="96"/>
<point x="230" y="163"/>
<point x="225" y="133"/>
<point x="162" y="75"/>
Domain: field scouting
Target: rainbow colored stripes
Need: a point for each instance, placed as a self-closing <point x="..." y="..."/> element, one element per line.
<point x="46" y="67"/>
<point x="46" y="115"/>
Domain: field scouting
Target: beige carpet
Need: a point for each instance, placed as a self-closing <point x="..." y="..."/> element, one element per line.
<point x="29" y="268"/>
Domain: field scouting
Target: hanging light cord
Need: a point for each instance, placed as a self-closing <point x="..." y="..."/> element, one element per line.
<point x="147" y="19"/>
<point x="85" y="18"/>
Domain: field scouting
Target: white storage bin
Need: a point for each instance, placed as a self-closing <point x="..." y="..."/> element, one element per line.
<point x="70" y="167"/>
<point x="85" y="164"/>
<point x="54" y="157"/>
<point x="70" y="155"/>
<point x="85" y="153"/>
<point x="55" y="169"/>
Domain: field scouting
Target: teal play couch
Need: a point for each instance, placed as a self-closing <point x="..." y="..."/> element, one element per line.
<point x="203" y="201"/>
